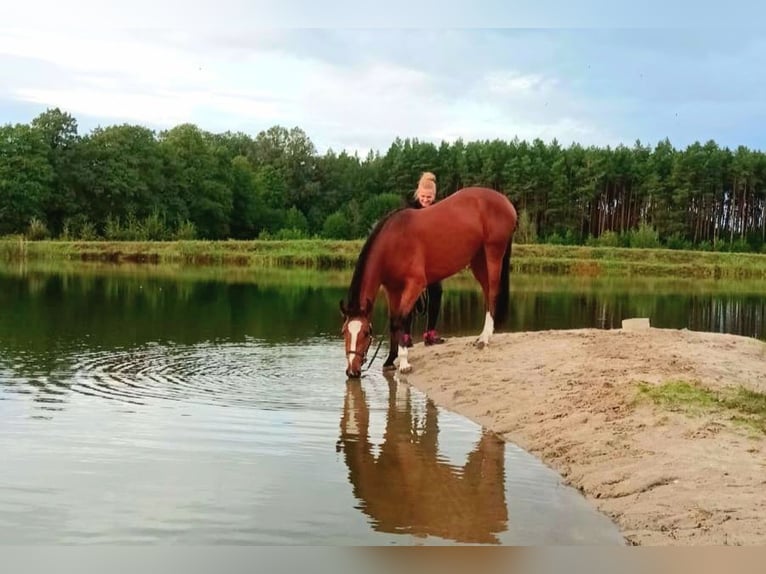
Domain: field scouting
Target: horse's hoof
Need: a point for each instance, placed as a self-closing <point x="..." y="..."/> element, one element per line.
<point x="479" y="344"/>
<point x="405" y="370"/>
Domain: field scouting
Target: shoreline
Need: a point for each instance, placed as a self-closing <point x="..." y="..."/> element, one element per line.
<point x="325" y="254"/>
<point x="586" y="403"/>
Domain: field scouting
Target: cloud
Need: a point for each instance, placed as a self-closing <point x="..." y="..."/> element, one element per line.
<point x="360" y="89"/>
<point x="510" y="83"/>
<point x="118" y="77"/>
<point x="250" y="82"/>
<point x="227" y="15"/>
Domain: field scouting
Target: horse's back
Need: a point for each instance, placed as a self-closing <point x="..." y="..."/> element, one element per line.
<point x="487" y="200"/>
<point x="481" y="209"/>
<point x="447" y="235"/>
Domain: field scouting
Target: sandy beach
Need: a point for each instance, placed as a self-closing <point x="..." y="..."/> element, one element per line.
<point x="589" y="403"/>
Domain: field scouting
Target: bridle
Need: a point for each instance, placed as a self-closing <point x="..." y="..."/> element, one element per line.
<point x="363" y="354"/>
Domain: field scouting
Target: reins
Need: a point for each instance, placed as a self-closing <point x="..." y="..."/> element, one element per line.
<point x="375" y="354"/>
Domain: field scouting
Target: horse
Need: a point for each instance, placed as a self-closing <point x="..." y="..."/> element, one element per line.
<point x="410" y="248"/>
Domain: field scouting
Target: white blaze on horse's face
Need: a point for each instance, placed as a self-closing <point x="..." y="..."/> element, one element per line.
<point x="358" y="336"/>
<point x="354" y="328"/>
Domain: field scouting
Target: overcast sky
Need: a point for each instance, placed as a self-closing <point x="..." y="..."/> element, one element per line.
<point x="356" y="77"/>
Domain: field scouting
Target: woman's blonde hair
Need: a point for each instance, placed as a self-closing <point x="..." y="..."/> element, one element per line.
<point x="428" y="181"/>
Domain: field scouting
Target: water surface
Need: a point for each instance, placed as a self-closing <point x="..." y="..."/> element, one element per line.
<point x="141" y="409"/>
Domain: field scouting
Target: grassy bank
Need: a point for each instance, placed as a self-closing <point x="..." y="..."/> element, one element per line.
<point x="341" y="255"/>
<point x="742" y="406"/>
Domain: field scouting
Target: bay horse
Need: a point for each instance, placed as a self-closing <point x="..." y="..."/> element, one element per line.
<point x="410" y="248"/>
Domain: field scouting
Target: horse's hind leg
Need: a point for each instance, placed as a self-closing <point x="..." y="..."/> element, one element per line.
<point x="486" y="268"/>
<point x="407" y="328"/>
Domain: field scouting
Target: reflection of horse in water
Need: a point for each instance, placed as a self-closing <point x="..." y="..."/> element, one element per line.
<point x="406" y="488"/>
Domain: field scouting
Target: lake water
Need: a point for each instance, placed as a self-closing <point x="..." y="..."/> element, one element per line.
<point x="184" y="408"/>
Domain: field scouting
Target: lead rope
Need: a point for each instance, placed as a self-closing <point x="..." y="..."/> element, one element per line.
<point x="375" y="354"/>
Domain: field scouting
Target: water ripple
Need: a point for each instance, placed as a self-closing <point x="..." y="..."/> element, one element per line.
<point x="222" y="374"/>
<point x="250" y="442"/>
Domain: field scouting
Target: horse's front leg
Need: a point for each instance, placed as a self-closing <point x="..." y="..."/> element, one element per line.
<point x="404" y="341"/>
<point x="393" y="344"/>
<point x="398" y="346"/>
<point x="404" y="316"/>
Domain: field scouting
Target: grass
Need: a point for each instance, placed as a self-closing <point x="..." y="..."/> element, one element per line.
<point x="341" y="255"/>
<point x="741" y="405"/>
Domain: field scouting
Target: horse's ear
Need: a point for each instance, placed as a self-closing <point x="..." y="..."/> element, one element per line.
<point x="368" y="308"/>
<point x="343" y="308"/>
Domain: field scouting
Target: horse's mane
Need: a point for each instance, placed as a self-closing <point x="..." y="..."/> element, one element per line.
<point x="354" y="305"/>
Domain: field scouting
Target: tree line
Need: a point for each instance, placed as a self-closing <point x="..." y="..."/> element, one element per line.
<point x="129" y="182"/>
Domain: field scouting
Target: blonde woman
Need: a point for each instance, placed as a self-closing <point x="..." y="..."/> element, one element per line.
<point x="424" y="196"/>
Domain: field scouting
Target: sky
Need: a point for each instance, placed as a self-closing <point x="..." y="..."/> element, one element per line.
<point x="357" y="75"/>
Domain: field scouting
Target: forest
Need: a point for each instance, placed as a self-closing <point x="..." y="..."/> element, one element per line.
<point x="128" y="182"/>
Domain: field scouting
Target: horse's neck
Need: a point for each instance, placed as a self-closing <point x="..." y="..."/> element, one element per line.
<point x="371" y="280"/>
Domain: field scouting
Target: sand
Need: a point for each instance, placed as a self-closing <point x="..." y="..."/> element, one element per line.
<point x="665" y="476"/>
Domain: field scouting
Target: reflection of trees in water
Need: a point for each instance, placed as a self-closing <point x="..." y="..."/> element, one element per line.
<point x="47" y="318"/>
<point x="406" y="488"/>
<point x="52" y="313"/>
<point x="52" y="322"/>
<point x="731" y="315"/>
<point x="462" y="312"/>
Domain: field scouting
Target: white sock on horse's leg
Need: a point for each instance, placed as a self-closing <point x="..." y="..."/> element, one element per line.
<point x="489" y="328"/>
<point x="404" y="364"/>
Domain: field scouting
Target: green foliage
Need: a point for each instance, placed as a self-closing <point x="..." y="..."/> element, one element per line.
<point x="554" y="239"/>
<point x="336" y="227"/>
<point x="186" y="231"/>
<point x="78" y="227"/>
<point x="296" y="221"/>
<point x="526" y="230"/>
<point x="37" y="230"/>
<point x="155" y="227"/>
<point x="246" y="205"/>
<point x="288" y="233"/>
<point x="131" y="182"/>
<point x="644" y="237"/>
<point x="568" y="238"/>
<point x="740" y="245"/>
<point x="677" y="241"/>
<point x="607" y="239"/>
<point x="88" y="231"/>
<point x="376" y="207"/>
<point x="26" y="176"/>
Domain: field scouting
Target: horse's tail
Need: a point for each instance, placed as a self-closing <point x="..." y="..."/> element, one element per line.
<point x="504" y="293"/>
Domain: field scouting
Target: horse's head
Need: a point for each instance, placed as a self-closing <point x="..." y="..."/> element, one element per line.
<point x="357" y="333"/>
